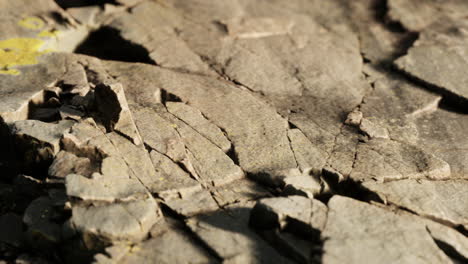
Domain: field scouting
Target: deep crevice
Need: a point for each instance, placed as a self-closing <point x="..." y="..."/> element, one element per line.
<point x="232" y="154"/>
<point x="450" y="101"/>
<point x="80" y="3"/>
<point x="107" y="43"/>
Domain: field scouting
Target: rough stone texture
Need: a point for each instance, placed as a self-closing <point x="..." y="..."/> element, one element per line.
<point x="298" y="213"/>
<point x="121" y="221"/>
<point x="188" y="131"/>
<point x="416" y="16"/>
<point x="348" y="240"/>
<point x="444" y="43"/>
<point x="440" y="200"/>
<point x="240" y="244"/>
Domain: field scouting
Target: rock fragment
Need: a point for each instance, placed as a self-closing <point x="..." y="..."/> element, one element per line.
<point x="121" y="221"/>
<point x="104" y="188"/>
<point x="67" y="163"/>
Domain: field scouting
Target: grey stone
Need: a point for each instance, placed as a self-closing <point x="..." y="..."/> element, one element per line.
<point x="386" y="160"/>
<point x="199" y="123"/>
<point x="120" y="221"/>
<point x="307" y="155"/>
<point x="305" y="185"/>
<point x="239" y="191"/>
<point x="445" y="43"/>
<point x="256" y="130"/>
<point x="193" y="203"/>
<point x="172" y="180"/>
<point x="209" y="162"/>
<point x="416" y="16"/>
<point x="104" y="188"/>
<point x="137" y="159"/>
<point x="114" y="111"/>
<point x="440" y="200"/>
<point x="240" y="244"/>
<point x="45" y="134"/>
<point x="297" y="213"/>
<point x="67" y="163"/>
<point x="158" y="133"/>
<point x="358" y="232"/>
<point x="442" y="134"/>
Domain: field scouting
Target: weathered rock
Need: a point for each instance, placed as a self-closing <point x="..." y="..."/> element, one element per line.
<point x="67" y="163"/>
<point x="120" y="221"/>
<point x="444" y="43"/>
<point x="386" y="160"/>
<point x="104" y="188"/>
<point x="442" y="134"/>
<point x="357" y="232"/>
<point x="41" y="133"/>
<point x="137" y="159"/>
<point x="416" y="16"/>
<point x="239" y="191"/>
<point x="209" y="162"/>
<point x="158" y="133"/>
<point x="161" y="249"/>
<point x="114" y="112"/>
<point x="305" y="185"/>
<point x="256" y="130"/>
<point x="172" y="180"/>
<point x="193" y="203"/>
<point x="307" y="155"/>
<point x="440" y="200"/>
<point x="199" y="123"/>
<point x="240" y="244"/>
<point x="303" y="216"/>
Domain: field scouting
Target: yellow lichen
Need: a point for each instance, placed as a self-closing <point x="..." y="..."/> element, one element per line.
<point x="19" y="52"/>
<point x="48" y="33"/>
<point x="33" y="23"/>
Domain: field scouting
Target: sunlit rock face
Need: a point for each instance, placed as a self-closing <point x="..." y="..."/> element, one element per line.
<point x="207" y="131"/>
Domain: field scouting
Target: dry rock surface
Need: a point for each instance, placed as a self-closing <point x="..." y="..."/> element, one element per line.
<point x="233" y="131"/>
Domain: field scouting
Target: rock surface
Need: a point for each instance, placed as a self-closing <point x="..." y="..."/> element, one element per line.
<point x="187" y="131"/>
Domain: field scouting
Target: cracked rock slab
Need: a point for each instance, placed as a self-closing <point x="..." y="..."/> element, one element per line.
<point x="199" y="123"/>
<point x="240" y="244"/>
<point x="438" y="56"/>
<point x="357" y="232"/>
<point x="104" y="188"/>
<point x="387" y="160"/>
<point x="301" y="215"/>
<point x="441" y="200"/>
